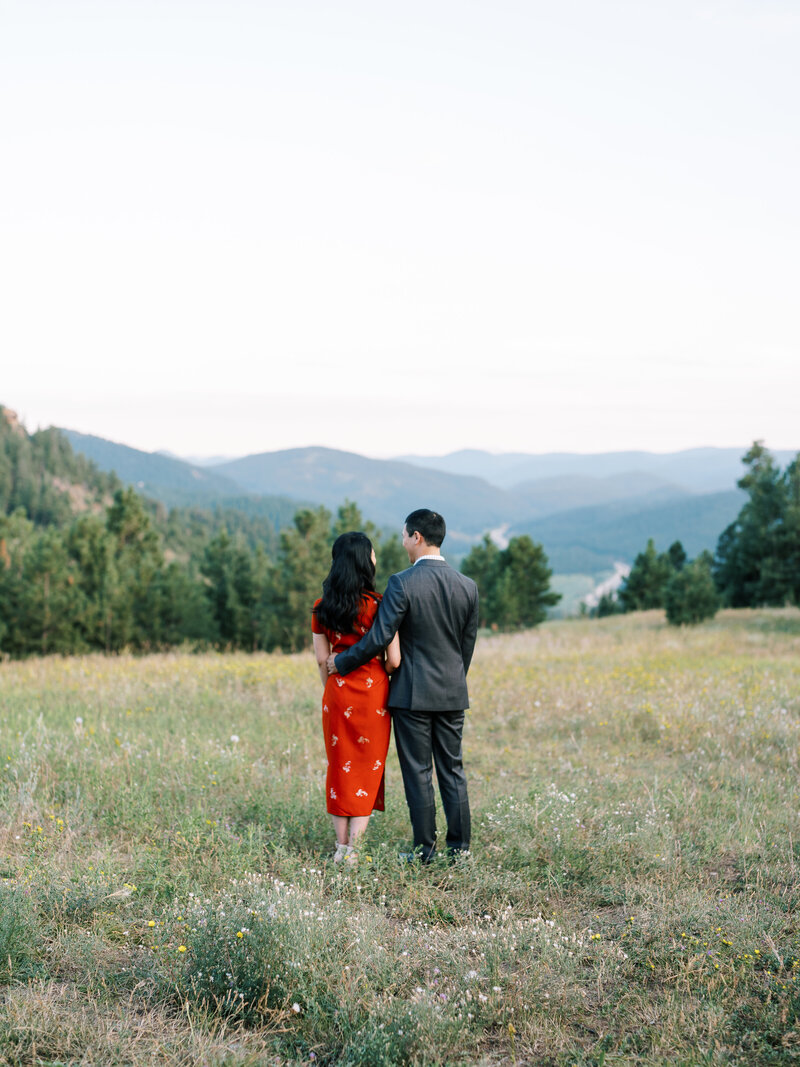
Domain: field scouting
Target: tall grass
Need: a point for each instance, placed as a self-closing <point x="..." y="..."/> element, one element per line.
<point x="167" y="893"/>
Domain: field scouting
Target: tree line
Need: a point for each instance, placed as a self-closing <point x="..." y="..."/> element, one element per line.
<point x="104" y="583"/>
<point x="756" y="563"/>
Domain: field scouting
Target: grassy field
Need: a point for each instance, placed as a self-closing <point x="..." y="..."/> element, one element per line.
<point x="167" y="893"/>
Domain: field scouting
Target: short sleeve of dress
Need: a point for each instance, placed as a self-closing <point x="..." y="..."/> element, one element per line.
<point x="316" y="625"/>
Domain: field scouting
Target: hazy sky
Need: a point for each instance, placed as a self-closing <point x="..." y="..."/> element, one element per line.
<point x="230" y="226"/>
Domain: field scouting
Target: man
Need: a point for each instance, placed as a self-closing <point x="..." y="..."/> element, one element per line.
<point x="435" y="610"/>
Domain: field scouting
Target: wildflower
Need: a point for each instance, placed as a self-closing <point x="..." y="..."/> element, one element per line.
<point x="296" y="1008"/>
<point x="151" y="922"/>
<point x="235" y="738"/>
<point x="181" y="948"/>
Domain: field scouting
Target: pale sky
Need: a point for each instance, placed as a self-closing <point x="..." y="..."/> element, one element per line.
<point x="232" y="226"/>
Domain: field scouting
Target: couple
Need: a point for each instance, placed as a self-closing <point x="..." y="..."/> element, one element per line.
<point x="404" y="658"/>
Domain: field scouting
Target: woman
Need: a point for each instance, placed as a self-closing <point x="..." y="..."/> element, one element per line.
<point x="355" y="721"/>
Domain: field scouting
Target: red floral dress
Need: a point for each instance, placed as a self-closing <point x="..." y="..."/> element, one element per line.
<point x="355" y="722"/>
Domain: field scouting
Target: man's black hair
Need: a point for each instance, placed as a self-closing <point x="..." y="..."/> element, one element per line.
<point x="428" y="524"/>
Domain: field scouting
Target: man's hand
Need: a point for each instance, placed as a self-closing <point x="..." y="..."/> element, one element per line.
<point x="332" y="664"/>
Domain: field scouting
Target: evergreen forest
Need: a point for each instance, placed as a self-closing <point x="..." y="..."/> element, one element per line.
<point x="89" y="564"/>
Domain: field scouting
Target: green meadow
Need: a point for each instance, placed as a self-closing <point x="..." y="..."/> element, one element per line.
<point x="167" y="893"/>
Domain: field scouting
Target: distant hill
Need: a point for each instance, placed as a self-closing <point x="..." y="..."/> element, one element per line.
<point x="152" y="472"/>
<point x="699" y="470"/>
<point x="494" y="467"/>
<point x="590" y="540"/>
<point x="548" y="496"/>
<point x="385" y="490"/>
<point x="176" y="483"/>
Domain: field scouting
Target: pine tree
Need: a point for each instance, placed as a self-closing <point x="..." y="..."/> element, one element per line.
<point x="752" y="555"/>
<point x="16" y="536"/>
<point x="391" y="559"/>
<point x="644" y="587"/>
<point x="232" y="592"/>
<point x="295" y="581"/>
<point x="51" y="598"/>
<point x="92" y="548"/>
<point x="513" y="583"/>
<point x="676" y="554"/>
<point x="690" y="595"/>
<point x="137" y="559"/>
<point x="482" y="566"/>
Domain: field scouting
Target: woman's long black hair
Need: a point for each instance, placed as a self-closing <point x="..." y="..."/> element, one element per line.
<point x="351" y="575"/>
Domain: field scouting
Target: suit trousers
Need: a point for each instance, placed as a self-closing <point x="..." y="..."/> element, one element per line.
<point x="423" y="738"/>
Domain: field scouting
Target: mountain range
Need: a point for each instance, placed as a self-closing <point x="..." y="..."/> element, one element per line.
<point x="588" y="511"/>
<point x="699" y="470"/>
<point x="176" y="483"/>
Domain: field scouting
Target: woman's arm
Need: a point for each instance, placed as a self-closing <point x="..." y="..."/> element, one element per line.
<point x="393" y="656"/>
<point x="322" y="649"/>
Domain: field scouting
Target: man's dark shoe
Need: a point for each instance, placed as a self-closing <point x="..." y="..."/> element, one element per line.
<point x="415" y="857"/>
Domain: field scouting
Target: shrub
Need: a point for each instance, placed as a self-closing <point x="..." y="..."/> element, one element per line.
<point x="690" y="595"/>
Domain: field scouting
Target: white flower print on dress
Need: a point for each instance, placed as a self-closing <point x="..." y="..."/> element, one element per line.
<point x="369" y="683"/>
<point x="339" y="681"/>
<point x="348" y="712"/>
<point x="346" y="767"/>
<point x="363" y="741"/>
<point x="381" y="711"/>
<point x="334" y="739"/>
<point x="377" y="765"/>
<point x="363" y="629"/>
<point x="325" y="708"/>
<point x="361" y="793"/>
<point x="333" y="795"/>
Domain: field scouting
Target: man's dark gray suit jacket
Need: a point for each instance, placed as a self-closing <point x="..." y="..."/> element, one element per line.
<point x="435" y="610"/>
